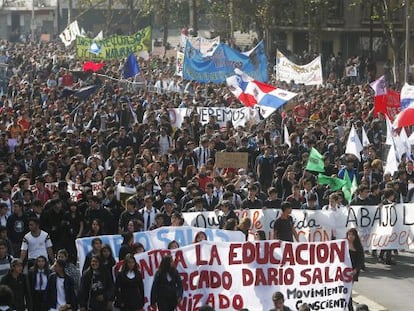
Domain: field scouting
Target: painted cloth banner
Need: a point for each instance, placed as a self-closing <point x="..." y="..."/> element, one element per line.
<point x="202" y="44"/>
<point x="233" y="276"/>
<point x="158" y="239"/>
<point x="379" y="227"/>
<point x="238" y="116"/>
<point x="114" y="47"/>
<point x="222" y="62"/>
<point x="309" y="74"/>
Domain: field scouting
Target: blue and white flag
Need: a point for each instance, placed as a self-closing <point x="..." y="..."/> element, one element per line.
<point x="220" y="64"/>
<point x="407" y="95"/>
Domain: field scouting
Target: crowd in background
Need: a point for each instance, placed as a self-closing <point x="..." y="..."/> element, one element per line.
<point x="121" y="136"/>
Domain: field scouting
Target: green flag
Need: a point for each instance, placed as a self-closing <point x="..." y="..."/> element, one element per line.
<point x="334" y="183"/>
<point x="315" y="162"/>
<point x="346" y="188"/>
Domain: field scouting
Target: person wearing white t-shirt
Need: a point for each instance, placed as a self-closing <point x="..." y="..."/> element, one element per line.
<point x="36" y="243"/>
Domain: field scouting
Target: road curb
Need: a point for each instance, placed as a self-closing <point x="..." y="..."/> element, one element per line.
<point x="372" y="305"/>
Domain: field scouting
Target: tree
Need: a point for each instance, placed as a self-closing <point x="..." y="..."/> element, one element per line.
<point x="387" y="12"/>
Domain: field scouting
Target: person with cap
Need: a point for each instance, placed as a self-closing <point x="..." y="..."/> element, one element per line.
<point x="279" y="302"/>
<point x="19" y="284"/>
<point x="167" y="210"/>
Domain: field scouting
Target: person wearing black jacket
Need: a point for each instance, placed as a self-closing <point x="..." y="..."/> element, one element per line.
<point x="57" y="281"/>
<point x="96" y="290"/>
<point x="38" y="278"/>
<point x="167" y="288"/>
<point x="129" y="287"/>
<point x="19" y="284"/>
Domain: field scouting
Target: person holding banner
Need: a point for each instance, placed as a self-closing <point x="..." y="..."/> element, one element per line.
<point x="96" y="288"/>
<point x="284" y="229"/>
<point x="167" y="288"/>
<point x="356" y="252"/>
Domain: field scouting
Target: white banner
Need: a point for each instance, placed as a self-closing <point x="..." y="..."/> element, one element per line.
<point x="204" y="45"/>
<point x="177" y="116"/>
<point x="69" y="34"/>
<point x="158" y="239"/>
<point x="238" y="116"/>
<point x="179" y="64"/>
<point x="233" y="276"/>
<point x="309" y="74"/>
<point x="379" y="227"/>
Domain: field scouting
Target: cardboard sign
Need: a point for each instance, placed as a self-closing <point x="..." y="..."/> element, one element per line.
<point x="231" y="159"/>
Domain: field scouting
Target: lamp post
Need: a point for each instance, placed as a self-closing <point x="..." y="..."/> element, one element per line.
<point x="407" y="41"/>
<point x="33" y="24"/>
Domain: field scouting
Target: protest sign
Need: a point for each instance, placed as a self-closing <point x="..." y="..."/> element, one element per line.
<point x="231" y="159"/>
<point x="202" y="44"/>
<point x="233" y="276"/>
<point x="237" y="116"/>
<point x="179" y="64"/>
<point x="309" y="74"/>
<point x="158" y="239"/>
<point x="220" y="64"/>
<point x="123" y="193"/>
<point x="114" y="47"/>
<point x="379" y="227"/>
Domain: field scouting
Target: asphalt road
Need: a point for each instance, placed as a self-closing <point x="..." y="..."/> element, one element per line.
<point x="387" y="288"/>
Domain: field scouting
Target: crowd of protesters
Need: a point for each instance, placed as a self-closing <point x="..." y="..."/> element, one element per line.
<point x="121" y="136"/>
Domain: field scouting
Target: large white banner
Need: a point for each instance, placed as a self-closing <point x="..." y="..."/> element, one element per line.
<point x="379" y="227"/>
<point x="202" y="44"/>
<point x="158" y="239"/>
<point x="233" y="276"/>
<point x="309" y="74"/>
<point x="238" y="116"/>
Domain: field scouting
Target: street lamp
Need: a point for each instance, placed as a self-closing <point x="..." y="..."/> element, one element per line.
<point x="407" y="41"/>
<point x="33" y="24"/>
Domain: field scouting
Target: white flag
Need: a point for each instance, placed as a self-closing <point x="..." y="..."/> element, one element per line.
<point x="392" y="164"/>
<point x="411" y="139"/>
<point x="99" y="36"/>
<point x="69" y="34"/>
<point x="365" y="140"/>
<point x="405" y="142"/>
<point x="286" y="136"/>
<point x="390" y="130"/>
<point x="353" y="145"/>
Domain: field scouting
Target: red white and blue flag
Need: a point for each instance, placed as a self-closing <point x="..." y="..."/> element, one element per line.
<point x="252" y="92"/>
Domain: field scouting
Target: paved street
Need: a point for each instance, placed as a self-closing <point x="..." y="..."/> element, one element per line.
<point x="387" y="288"/>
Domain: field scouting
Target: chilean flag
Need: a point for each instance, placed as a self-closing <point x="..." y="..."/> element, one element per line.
<point x="380" y="100"/>
<point x="407" y="95"/>
<point x="405" y="117"/>
<point x="386" y="101"/>
<point x="251" y="92"/>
